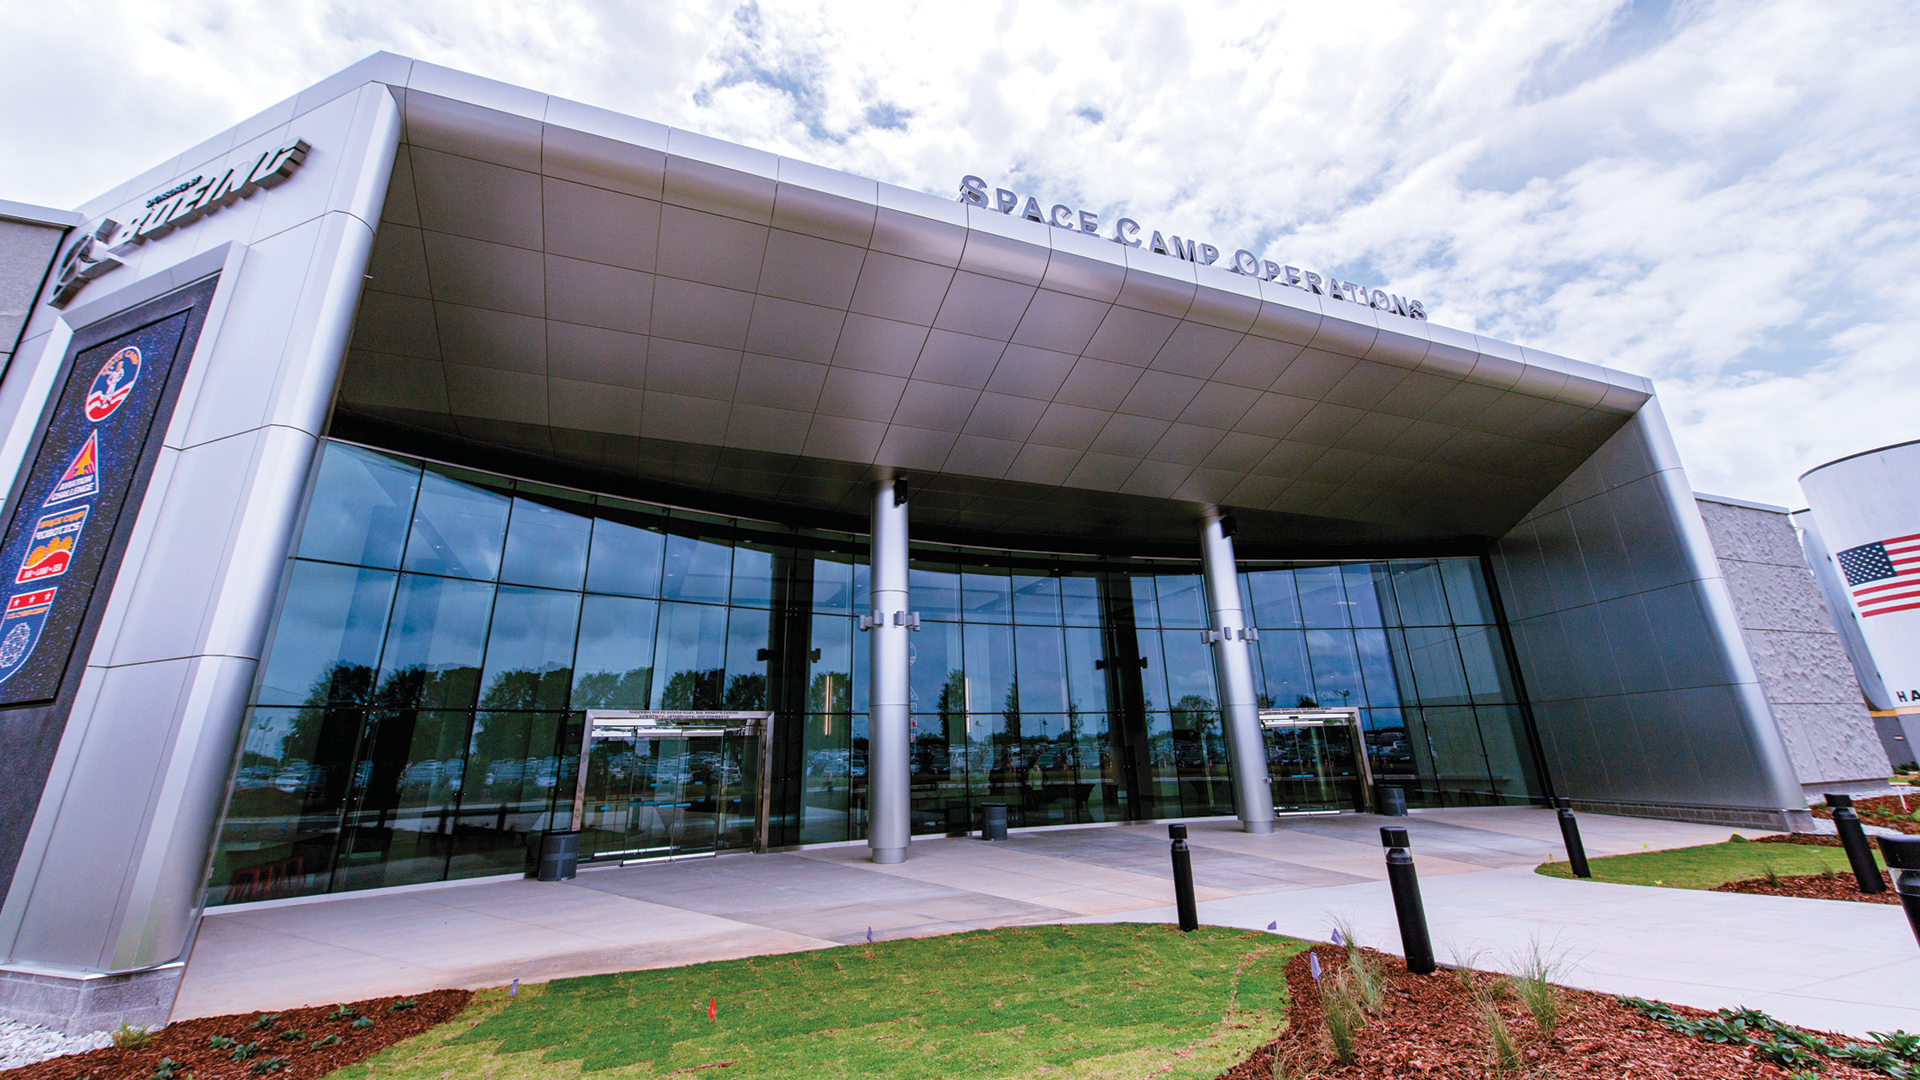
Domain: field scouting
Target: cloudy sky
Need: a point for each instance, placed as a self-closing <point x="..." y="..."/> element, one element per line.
<point x="1718" y="195"/>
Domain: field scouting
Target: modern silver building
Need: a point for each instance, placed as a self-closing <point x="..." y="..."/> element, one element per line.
<point x="427" y="466"/>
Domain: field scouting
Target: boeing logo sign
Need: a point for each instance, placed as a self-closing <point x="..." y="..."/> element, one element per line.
<point x="179" y="205"/>
<point x="1128" y="232"/>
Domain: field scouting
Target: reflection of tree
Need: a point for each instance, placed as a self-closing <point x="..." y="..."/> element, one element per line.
<point x="830" y="692"/>
<point x="521" y="689"/>
<point x="693" y="689"/>
<point x="614" y="689"/>
<point x="747" y="692"/>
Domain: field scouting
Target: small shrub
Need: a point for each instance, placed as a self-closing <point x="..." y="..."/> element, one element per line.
<point x="165" y="1070"/>
<point x="267" y="1065"/>
<point x="243" y="1051"/>
<point x="1767" y="871"/>
<point x="1899" y="1043"/>
<point x="263" y="1020"/>
<point x="291" y="1034"/>
<point x="1540" y="970"/>
<point x="362" y="1024"/>
<point x="341" y="1012"/>
<point x="402" y="1005"/>
<point x="330" y="1040"/>
<point x="1341" y="1013"/>
<point x="131" y="1036"/>
<point x="1503" y="1053"/>
<point x="221" y="1042"/>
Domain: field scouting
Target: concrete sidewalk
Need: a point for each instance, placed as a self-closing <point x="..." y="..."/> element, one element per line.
<point x="1847" y="967"/>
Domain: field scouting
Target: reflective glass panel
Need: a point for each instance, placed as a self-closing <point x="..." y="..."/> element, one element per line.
<point x="833" y="585"/>
<point x="513" y="772"/>
<point x="1274" y="604"/>
<point x="690" y="656"/>
<point x="1418" y="594"/>
<point x="435" y="643"/>
<point x="361" y="504"/>
<point x="1363" y="604"/>
<point x="1036" y="600"/>
<point x="613" y="662"/>
<point x="1323" y="600"/>
<point x="1336" y="669"/>
<point x="546" y="546"/>
<point x="747" y="661"/>
<point x="986" y="595"/>
<point x="935" y="591"/>
<point x="530" y="651"/>
<point x="753" y="574"/>
<point x="327" y="644"/>
<point x="1183" y="601"/>
<point x="458" y="529"/>
<point x="625" y="559"/>
<point x="1283" y="663"/>
<point x="696" y="569"/>
<point x="1467" y="591"/>
<point x="1042" y="667"/>
<point x="938" y="679"/>
<point x="1080" y="600"/>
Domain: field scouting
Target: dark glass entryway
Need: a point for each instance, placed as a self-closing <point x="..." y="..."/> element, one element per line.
<point x="1316" y="762"/>
<point x="670" y="785"/>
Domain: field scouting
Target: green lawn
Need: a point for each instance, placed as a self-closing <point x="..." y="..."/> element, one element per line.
<point x="1709" y="865"/>
<point x="1068" y="1001"/>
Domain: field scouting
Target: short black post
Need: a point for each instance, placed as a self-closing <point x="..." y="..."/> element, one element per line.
<point x="1570" y="833"/>
<point x="1414" y="940"/>
<point x="1866" y="872"/>
<point x="1183" y="879"/>
<point x="1903" y="857"/>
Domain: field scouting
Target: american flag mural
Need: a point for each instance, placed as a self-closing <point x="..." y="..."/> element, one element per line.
<point x="1884" y="576"/>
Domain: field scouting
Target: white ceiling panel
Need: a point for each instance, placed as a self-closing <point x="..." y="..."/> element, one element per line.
<point x="478" y="199"/>
<point x="958" y="359"/>
<point x="810" y="270"/>
<point x="1031" y="373"/>
<point x="590" y="354"/>
<point x="595" y="294"/>
<point x="704" y="314"/>
<point x="601" y="226"/>
<point x="1059" y="322"/>
<point x="900" y="289"/>
<point x="795" y="330"/>
<point x="1099" y="384"/>
<point x="711" y="248"/>
<point x="983" y="306"/>
<point x="677" y="367"/>
<point x="879" y="345"/>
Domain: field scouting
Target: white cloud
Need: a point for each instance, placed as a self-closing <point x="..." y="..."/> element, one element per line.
<point x="1718" y="195"/>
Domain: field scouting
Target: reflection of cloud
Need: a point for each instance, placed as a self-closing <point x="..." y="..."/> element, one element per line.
<point x="1714" y="194"/>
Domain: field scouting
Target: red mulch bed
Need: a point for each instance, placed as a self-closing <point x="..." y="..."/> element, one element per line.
<point x="187" y="1042"/>
<point x="1836" y="886"/>
<point x="1882" y="810"/>
<point x="1427" y="1027"/>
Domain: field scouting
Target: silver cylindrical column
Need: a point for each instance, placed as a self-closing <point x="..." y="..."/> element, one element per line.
<point x="888" y="797"/>
<point x="1246" y="752"/>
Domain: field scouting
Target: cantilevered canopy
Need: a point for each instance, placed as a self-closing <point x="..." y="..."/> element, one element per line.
<point x="588" y="291"/>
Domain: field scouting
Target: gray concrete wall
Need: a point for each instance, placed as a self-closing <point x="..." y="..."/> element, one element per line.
<point x="27" y="248"/>
<point x="1803" y="667"/>
<point x="1642" y="689"/>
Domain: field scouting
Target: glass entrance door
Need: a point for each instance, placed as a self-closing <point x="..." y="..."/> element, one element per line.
<point x="670" y="785"/>
<point x="654" y="797"/>
<point x="1314" y="763"/>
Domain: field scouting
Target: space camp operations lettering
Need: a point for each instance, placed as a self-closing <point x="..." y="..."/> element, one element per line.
<point x="1127" y="232"/>
<point x="179" y="205"/>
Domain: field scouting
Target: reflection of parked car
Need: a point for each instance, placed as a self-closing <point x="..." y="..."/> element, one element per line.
<point x="297" y="775"/>
<point x="254" y="776"/>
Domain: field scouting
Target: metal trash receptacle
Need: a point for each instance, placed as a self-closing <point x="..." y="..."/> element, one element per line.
<point x="1393" y="801"/>
<point x="560" y="855"/>
<point x="993" y="821"/>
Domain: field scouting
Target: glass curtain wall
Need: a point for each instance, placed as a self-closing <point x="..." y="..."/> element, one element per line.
<point x="1415" y="646"/>
<point x="418" y="713"/>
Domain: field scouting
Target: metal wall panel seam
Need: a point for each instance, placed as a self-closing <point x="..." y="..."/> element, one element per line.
<point x="1762" y="731"/>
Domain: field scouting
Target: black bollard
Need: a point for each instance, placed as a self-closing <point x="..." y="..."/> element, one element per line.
<point x="1903" y="856"/>
<point x="1414" y="940"/>
<point x="1183" y="879"/>
<point x="1866" y="872"/>
<point x="1570" y="833"/>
